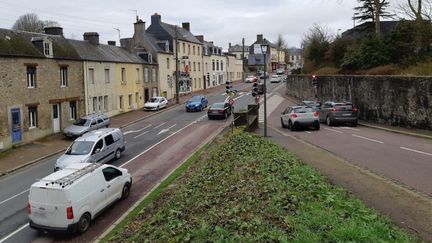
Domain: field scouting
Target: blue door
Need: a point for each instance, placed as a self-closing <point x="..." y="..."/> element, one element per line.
<point x="16" y="125"/>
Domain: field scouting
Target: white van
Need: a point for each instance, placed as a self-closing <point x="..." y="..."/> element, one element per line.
<point x="67" y="200"/>
<point x="100" y="146"/>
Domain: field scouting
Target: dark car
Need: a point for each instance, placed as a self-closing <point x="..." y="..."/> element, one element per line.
<point x="196" y="103"/>
<point x="219" y="110"/>
<point x="338" y="113"/>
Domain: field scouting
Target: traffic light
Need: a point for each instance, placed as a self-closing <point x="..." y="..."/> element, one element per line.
<point x="254" y="89"/>
<point x="228" y="87"/>
<point x="314" y="81"/>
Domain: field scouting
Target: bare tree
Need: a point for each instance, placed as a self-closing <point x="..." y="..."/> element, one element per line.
<point x="31" y="22"/>
<point x="315" y="44"/>
<point x="416" y="9"/>
<point x="281" y="45"/>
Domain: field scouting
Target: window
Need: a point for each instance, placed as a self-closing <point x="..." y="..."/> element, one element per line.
<point x="153" y="74"/>
<point x="213" y="65"/>
<point x="154" y="92"/>
<point x="107" y="75"/>
<point x="109" y="140"/>
<point x="198" y="49"/>
<point x="47" y="48"/>
<point x="146" y="75"/>
<point x="168" y="63"/>
<point x="72" y="110"/>
<point x="206" y="67"/>
<point x="199" y="67"/>
<point x="32" y="111"/>
<point x="100" y="103"/>
<point x="130" y="100"/>
<point x="136" y="98"/>
<point x="94" y="104"/>
<point x="217" y="65"/>
<point x="199" y="82"/>
<point x="121" y="102"/>
<point x="63" y="77"/>
<point x="98" y="146"/>
<point x="111" y="173"/>
<point x="195" y="84"/>
<point x="194" y="67"/>
<point x="193" y="50"/>
<point x="184" y="48"/>
<point x="91" y="76"/>
<point x="31" y="76"/>
<point x="123" y="75"/>
<point x="221" y="65"/>
<point x="138" y="75"/>
<point x="105" y="103"/>
<point x="189" y="49"/>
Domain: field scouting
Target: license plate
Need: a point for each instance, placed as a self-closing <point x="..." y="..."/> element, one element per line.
<point x="215" y="112"/>
<point x="346" y="114"/>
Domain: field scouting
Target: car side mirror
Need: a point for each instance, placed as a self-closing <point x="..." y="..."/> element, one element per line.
<point x="97" y="151"/>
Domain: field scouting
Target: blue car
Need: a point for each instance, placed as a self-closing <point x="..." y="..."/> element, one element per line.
<point x="196" y="103"/>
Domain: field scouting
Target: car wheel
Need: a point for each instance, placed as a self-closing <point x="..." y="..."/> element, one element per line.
<point x="291" y="126"/>
<point x="83" y="223"/>
<point x="125" y="191"/>
<point x="282" y="124"/>
<point x="118" y="154"/>
<point x="328" y="121"/>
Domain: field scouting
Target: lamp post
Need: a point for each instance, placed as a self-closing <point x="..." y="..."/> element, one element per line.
<point x="264" y="51"/>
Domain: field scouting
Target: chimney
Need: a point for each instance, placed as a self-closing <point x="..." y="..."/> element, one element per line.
<point x="53" y="30"/>
<point x="92" y="37"/>
<point x="139" y="27"/>
<point x="229" y="45"/>
<point x="200" y="38"/>
<point x="156" y="19"/>
<point x="260" y="38"/>
<point x="111" y="43"/>
<point x="186" y="26"/>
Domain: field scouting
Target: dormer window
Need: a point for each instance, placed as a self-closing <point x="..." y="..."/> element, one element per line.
<point x="44" y="45"/>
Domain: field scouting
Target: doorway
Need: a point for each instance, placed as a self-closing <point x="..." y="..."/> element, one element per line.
<point x="56" y="117"/>
<point x="16" y="125"/>
<point x="146" y="95"/>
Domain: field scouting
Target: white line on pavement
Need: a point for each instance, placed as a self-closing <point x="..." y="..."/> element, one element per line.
<point x="350" y="128"/>
<point x="171" y="126"/>
<point x="16" y="231"/>
<point x="333" y="130"/>
<point x="369" y="139"/>
<point x="416" y="151"/>
<point x="308" y="132"/>
<point x="141" y="134"/>
<point x="163" y="123"/>
<point x="14" y="196"/>
<point x="139" y="130"/>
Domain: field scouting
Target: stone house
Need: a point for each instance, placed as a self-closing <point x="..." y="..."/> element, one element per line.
<point x="41" y="80"/>
<point x="215" y="69"/>
<point x="234" y="67"/>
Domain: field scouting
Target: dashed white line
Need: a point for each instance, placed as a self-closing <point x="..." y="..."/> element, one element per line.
<point x="416" y="151"/>
<point x="369" y="139"/>
<point x="308" y="132"/>
<point x="141" y="134"/>
<point x="350" y="128"/>
<point x="163" y="123"/>
<point x="139" y="130"/>
<point x="14" y="196"/>
<point x="333" y="130"/>
<point x="16" y="231"/>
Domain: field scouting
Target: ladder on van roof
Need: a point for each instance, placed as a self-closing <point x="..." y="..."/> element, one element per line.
<point x="71" y="178"/>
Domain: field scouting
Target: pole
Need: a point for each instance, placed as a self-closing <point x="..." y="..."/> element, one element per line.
<point x="243" y="61"/>
<point x="265" y="97"/>
<point x="177" y="68"/>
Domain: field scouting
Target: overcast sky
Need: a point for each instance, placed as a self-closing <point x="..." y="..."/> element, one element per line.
<point x="221" y="21"/>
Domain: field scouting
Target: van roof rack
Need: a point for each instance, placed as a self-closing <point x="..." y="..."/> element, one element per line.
<point x="71" y="178"/>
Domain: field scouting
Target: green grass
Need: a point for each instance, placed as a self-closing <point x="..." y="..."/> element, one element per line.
<point x="250" y="189"/>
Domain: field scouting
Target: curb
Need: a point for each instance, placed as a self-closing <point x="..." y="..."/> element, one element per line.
<point x="395" y="130"/>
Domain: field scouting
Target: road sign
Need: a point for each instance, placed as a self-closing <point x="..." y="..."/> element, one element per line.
<point x="231" y="101"/>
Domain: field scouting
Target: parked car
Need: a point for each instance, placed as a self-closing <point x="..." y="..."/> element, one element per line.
<point x="313" y="104"/>
<point x="338" y="113"/>
<point x="196" y="103"/>
<point x="275" y="79"/>
<point x="68" y="200"/>
<point x="219" y="110"/>
<point x="156" y="103"/>
<point x="97" y="146"/>
<point x="300" y="116"/>
<point x="86" y="124"/>
<point x="261" y="76"/>
<point x="251" y="79"/>
<point x="280" y="72"/>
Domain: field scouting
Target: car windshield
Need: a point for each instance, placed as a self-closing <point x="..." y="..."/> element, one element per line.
<point x="195" y="99"/>
<point x="82" y="122"/>
<point x="304" y="110"/>
<point x="154" y="100"/>
<point x="275" y="76"/>
<point x="218" y="105"/>
<point x="80" y="148"/>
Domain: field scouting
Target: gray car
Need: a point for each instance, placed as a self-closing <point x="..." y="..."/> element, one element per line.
<point x="300" y="116"/>
<point x="338" y="112"/>
<point x="86" y="124"/>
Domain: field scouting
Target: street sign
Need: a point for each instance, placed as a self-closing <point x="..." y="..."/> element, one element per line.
<point x="231" y="101"/>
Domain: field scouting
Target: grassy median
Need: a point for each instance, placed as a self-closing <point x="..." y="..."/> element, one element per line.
<point x="246" y="188"/>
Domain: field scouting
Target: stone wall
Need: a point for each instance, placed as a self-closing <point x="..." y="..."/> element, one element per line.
<point x="392" y="100"/>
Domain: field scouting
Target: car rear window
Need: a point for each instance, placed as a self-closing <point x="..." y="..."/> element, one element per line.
<point x="344" y="106"/>
<point x="304" y="110"/>
<point x="218" y="105"/>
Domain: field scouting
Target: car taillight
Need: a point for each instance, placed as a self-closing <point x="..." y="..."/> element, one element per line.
<point x="316" y="113"/>
<point x="221" y="111"/>
<point x="334" y="109"/>
<point x="355" y="109"/>
<point x="28" y="208"/>
<point x="69" y="213"/>
<point x="293" y="115"/>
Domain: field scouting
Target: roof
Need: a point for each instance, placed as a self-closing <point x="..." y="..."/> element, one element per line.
<point x="47" y="180"/>
<point x="265" y="41"/>
<point x="182" y="34"/>
<point x="19" y="43"/>
<point x="104" y="53"/>
<point x="95" y="134"/>
<point x="238" y="48"/>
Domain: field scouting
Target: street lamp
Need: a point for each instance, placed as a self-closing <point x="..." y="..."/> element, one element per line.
<point x="264" y="51"/>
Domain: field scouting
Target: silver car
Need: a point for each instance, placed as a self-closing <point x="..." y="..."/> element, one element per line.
<point x="86" y="124"/>
<point x="300" y="116"/>
<point x="99" y="146"/>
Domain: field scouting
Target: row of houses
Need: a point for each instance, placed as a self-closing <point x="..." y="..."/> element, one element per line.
<point x="48" y="81"/>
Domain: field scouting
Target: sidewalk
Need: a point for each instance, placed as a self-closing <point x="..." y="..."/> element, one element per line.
<point x="25" y="155"/>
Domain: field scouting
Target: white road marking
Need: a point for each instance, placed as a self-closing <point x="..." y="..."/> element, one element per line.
<point x="141" y="134"/>
<point x="163" y="123"/>
<point x="333" y="130"/>
<point x="14" y="196"/>
<point x="308" y="132"/>
<point x="16" y="231"/>
<point x="369" y="139"/>
<point x="416" y="151"/>
<point x="139" y="130"/>
<point x="350" y="128"/>
<point x="166" y="129"/>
